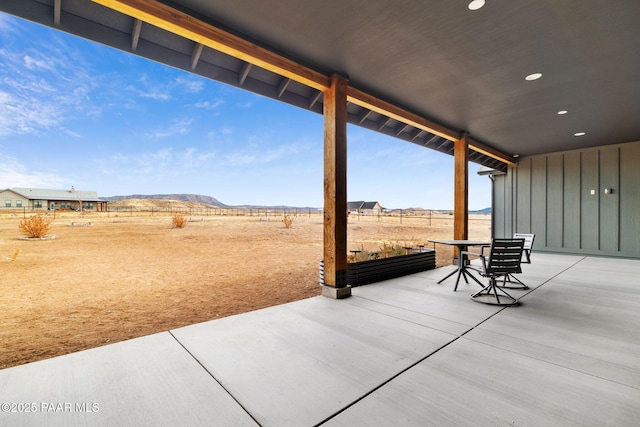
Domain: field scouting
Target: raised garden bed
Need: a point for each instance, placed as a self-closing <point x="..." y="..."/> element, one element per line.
<point x="375" y="270"/>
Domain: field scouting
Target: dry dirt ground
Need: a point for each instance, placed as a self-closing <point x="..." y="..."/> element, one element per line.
<point x="127" y="276"/>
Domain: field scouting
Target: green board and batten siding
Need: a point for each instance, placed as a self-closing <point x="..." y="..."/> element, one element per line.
<point x="550" y="195"/>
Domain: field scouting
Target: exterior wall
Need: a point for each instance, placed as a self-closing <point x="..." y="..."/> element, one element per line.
<point x="39" y="204"/>
<point x="14" y="199"/>
<point x="561" y="198"/>
<point x="377" y="209"/>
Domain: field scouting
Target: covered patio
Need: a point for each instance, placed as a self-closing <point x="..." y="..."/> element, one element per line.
<point x="545" y="95"/>
<point x="405" y="351"/>
<point x="401" y="352"/>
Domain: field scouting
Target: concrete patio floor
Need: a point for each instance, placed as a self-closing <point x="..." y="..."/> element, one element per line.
<point x="404" y="352"/>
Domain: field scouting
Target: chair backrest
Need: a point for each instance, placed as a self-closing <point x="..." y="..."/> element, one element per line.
<point x="505" y="256"/>
<point x="528" y="240"/>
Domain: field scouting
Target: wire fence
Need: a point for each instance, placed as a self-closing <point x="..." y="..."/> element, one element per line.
<point x="426" y="217"/>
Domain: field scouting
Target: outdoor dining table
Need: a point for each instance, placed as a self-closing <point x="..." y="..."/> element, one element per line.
<point x="462" y="245"/>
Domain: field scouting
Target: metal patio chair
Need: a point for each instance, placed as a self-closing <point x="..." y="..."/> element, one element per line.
<point x="510" y="281"/>
<point x="528" y="244"/>
<point x="505" y="256"/>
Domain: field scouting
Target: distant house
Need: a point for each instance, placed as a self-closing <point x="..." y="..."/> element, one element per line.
<point x="43" y="199"/>
<point x="365" y="208"/>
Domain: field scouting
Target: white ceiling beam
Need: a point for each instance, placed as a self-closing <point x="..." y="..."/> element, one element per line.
<point x="384" y="123"/>
<point x="57" y="8"/>
<point x="283" y="86"/>
<point x="364" y="116"/>
<point x="418" y="134"/>
<point x="135" y="33"/>
<point x="402" y="128"/>
<point x="244" y="72"/>
<point x="195" y="55"/>
<point x="315" y="98"/>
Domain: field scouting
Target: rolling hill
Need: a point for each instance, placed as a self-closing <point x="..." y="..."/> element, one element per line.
<point x="195" y="198"/>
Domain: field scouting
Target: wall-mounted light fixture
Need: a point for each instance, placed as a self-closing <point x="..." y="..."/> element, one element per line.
<point x="608" y="191"/>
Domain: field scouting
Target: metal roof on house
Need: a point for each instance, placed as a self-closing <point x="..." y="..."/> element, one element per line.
<point x="362" y="205"/>
<point x="47" y="194"/>
<point x="370" y="205"/>
<point x="355" y="205"/>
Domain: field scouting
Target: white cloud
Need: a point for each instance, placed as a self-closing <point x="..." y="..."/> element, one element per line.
<point x="157" y="93"/>
<point x="40" y="86"/>
<point x="37" y="64"/>
<point x="193" y="158"/>
<point x="15" y="174"/>
<point x="72" y="133"/>
<point x="178" y="127"/>
<point x="23" y="114"/>
<point x="252" y="155"/>
<point x="189" y="84"/>
<point x="162" y="90"/>
<point x="245" y="105"/>
<point x="6" y="23"/>
<point x="162" y="163"/>
<point x="145" y="88"/>
<point x="207" y="105"/>
<point x="238" y="158"/>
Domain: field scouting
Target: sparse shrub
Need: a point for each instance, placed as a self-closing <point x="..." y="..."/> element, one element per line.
<point x="179" y="221"/>
<point x="36" y="226"/>
<point x="287" y="221"/>
<point x="394" y="248"/>
<point x="388" y="249"/>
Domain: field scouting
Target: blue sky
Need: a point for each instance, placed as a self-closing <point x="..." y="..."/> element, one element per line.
<point x="78" y="113"/>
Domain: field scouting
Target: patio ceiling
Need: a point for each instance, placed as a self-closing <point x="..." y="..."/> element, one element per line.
<point x="453" y="68"/>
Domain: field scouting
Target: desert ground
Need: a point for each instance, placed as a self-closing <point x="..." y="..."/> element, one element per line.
<point x="108" y="277"/>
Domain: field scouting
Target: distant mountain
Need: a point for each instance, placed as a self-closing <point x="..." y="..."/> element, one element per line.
<point x="485" y="211"/>
<point x="182" y="197"/>
<point x="197" y="198"/>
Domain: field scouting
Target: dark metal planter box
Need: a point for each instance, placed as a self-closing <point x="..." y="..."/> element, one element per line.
<point x="376" y="270"/>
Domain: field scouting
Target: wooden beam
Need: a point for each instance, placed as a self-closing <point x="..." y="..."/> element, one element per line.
<point x="335" y="189"/>
<point x="387" y="109"/>
<point x="461" y="189"/>
<point x="491" y="152"/>
<point x="135" y="33"/>
<point x="195" y="55"/>
<point x="174" y="21"/>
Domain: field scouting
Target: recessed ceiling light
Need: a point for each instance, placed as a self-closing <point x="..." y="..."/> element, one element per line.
<point x="561" y="112"/>
<point x="534" y="76"/>
<point x="579" y="134"/>
<point x="476" y="4"/>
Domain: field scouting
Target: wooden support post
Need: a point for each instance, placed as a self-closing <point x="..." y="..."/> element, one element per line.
<point x="461" y="190"/>
<point x="335" y="189"/>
